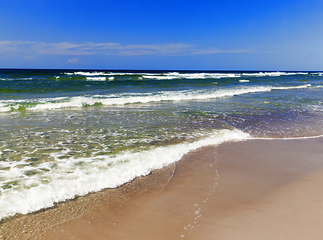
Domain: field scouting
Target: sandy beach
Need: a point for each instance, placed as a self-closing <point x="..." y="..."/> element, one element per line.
<point x="255" y="189"/>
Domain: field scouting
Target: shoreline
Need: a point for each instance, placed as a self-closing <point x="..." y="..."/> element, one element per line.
<point x="35" y="225"/>
<point x="216" y="192"/>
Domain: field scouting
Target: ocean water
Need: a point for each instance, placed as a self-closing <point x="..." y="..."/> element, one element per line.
<point x="66" y="133"/>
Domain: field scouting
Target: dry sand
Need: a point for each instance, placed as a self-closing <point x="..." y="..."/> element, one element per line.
<point x="256" y="189"/>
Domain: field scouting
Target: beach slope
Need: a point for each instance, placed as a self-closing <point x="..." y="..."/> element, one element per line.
<point x="254" y="189"/>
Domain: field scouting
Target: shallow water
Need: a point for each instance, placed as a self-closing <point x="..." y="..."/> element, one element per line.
<point x="66" y="133"/>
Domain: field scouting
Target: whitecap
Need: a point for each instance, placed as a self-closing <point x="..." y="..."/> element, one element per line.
<point x="96" y="78"/>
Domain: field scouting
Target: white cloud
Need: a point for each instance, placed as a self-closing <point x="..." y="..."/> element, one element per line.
<point x="29" y="57"/>
<point x="91" y="48"/>
<point x="73" y="60"/>
<point x="15" y="46"/>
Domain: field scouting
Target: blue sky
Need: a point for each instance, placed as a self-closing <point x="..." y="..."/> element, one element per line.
<point x="177" y="34"/>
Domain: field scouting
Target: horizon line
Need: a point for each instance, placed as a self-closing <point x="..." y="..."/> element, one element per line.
<point x="162" y="70"/>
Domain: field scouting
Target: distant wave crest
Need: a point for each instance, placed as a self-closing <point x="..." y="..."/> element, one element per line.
<point x="132" y="98"/>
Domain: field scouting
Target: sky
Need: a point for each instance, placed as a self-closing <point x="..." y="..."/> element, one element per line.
<point x="169" y="34"/>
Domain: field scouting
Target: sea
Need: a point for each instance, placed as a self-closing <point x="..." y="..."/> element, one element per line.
<point x="67" y="133"/>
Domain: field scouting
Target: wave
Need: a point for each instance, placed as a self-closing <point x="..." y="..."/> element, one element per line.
<point x="273" y="74"/>
<point x="179" y="75"/>
<point x="292" y="87"/>
<point x="15" y="79"/>
<point x="96" y="78"/>
<point x="99" y="78"/>
<point x="69" y="179"/>
<point x="176" y="75"/>
<point x="131" y="98"/>
<point x="87" y="73"/>
<point x="104" y="75"/>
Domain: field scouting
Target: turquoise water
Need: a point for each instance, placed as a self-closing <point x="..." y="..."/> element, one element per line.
<point x="65" y="133"/>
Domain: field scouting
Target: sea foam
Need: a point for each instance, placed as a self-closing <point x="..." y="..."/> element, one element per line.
<point x="273" y="74"/>
<point x="131" y="98"/>
<point x="96" y="78"/>
<point x="69" y="179"/>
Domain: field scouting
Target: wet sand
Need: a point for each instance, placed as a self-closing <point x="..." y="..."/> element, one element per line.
<point x="256" y="189"/>
<point x="36" y="225"/>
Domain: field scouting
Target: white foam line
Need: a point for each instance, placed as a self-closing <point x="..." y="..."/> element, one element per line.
<point x="100" y="176"/>
<point x="292" y="87"/>
<point x="96" y="78"/>
<point x="106" y="74"/>
<point x="88" y="73"/>
<point x="175" y="75"/>
<point x="122" y="99"/>
<point x="273" y="74"/>
<point x="285" y="138"/>
<point x="178" y="75"/>
<point x="243" y="80"/>
<point x="15" y="79"/>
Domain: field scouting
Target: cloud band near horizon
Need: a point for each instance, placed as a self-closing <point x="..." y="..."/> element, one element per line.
<point x="108" y="48"/>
